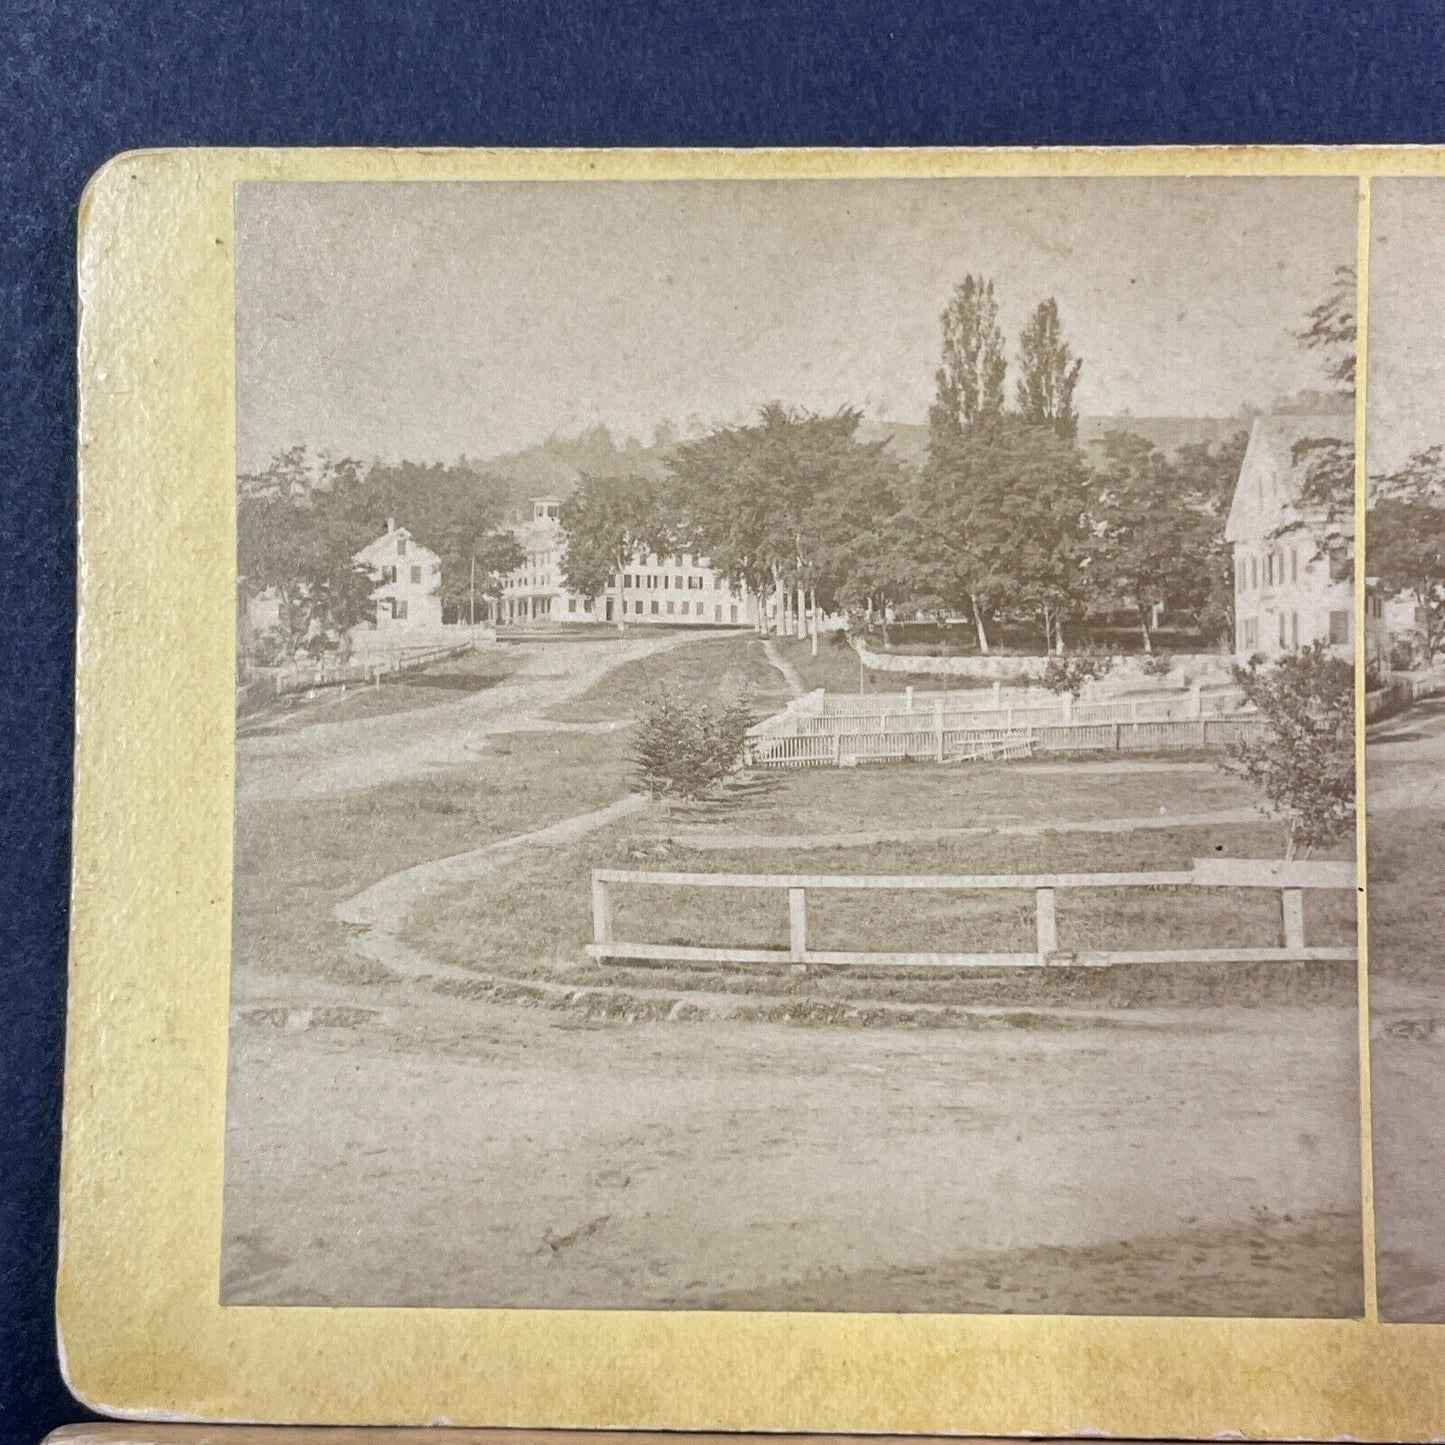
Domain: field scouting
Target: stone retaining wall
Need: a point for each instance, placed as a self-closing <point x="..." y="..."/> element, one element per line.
<point x="1187" y="667"/>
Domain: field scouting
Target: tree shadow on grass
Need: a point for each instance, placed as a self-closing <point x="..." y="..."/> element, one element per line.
<point x="742" y="791"/>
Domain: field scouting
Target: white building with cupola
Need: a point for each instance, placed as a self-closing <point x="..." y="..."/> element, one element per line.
<point x="680" y="591"/>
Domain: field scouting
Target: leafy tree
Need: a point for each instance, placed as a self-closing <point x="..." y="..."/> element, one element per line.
<point x="1160" y="538"/>
<point x="784" y="506"/>
<point x="494" y="555"/>
<point x="970" y="376"/>
<point x="1207" y="474"/>
<point x="296" y="538"/>
<point x="611" y="523"/>
<point x="1406" y="546"/>
<point x="685" y="749"/>
<point x="1327" y="489"/>
<point x="1001" y="522"/>
<point x="1048" y="373"/>
<point x="1331" y="330"/>
<point x="1304" y="767"/>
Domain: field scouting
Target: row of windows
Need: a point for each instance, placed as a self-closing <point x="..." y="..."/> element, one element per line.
<point x="647" y="580"/>
<point x="1250" y="575"/>
<point x="673" y="609"/>
<point x="1289" y="631"/>
<point x="389" y="574"/>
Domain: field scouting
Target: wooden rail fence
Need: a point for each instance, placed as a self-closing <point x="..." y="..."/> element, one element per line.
<point x="1290" y="879"/>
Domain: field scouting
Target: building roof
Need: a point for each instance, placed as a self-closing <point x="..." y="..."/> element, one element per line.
<point x="1266" y="497"/>
<point x="384" y="547"/>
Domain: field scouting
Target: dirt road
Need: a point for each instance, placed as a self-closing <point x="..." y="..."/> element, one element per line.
<point x="1405" y="797"/>
<point x="390" y="1145"/>
<point x="473" y="1155"/>
<point x="352" y="754"/>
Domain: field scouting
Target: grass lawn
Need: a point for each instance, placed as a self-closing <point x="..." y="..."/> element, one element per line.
<point x="536" y="913"/>
<point x="296" y="861"/>
<point x="444" y="681"/>
<point x="715" y="666"/>
<point x="924" y="795"/>
<point x="1407" y="904"/>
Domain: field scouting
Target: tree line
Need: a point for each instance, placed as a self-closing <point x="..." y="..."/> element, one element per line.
<point x="1007" y="522"/>
<point x="301" y="520"/>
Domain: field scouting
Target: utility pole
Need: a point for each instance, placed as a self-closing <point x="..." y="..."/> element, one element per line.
<point x="473" y="603"/>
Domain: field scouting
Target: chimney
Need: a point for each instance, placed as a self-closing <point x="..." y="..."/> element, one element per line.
<point x="391" y="524"/>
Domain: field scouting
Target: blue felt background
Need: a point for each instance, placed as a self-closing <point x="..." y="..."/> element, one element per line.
<point x="79" y="82"/>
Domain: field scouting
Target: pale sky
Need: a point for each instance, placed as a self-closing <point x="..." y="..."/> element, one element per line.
<point x="430" y="320"/>
<point x="1406" y="354"/>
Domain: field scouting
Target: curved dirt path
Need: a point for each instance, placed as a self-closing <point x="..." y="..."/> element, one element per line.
<point x="789" y="672"/>
<point x="380" y="912"/>
<point x="352" y="754"/>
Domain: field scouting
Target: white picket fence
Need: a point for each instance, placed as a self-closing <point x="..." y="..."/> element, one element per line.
<point x="821" y="731"/>
<point x="848" y="749"/>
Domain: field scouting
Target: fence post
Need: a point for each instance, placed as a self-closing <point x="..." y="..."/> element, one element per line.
<point x="797" y="924"/>
<point x="908" y="698"/>
<point x="1066" y="702"/>
<point x="601" y="911"/>
<point x="1202" y="734"/>
<point x="1046" y="923"/>
<point x="997" y="693"/>
<point x="938" y="730"/>
<point x="1118" y="745"/>
<point x="1292" y="906"/>
<point x="838" y="750"/>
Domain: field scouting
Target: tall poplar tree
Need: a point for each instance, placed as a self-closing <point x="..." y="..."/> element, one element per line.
<point x="971" y="371"/>
<point x="1048" y="373"/>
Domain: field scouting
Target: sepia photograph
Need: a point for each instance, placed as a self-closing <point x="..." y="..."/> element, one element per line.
<point x="795" y="746"/>
<point x="1405" y="741"/>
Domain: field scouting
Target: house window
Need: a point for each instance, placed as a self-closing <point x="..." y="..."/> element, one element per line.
<point x="416" y="574"/>
<point x="671" y="606"/>
<point x="1254" y="572"/>
<point x="1294" y="564"/>
<point x="734" y="613"/>
<point x="571" y="604"/>
<point x="1339" y="628"/>
<point x="654" y="608"/>
<point x="398" y="610"/>
<point x="638" y="608"/>
<point x="401" y="546"/>
<point x="627" y="579"/>
<point x="678" y="583"/>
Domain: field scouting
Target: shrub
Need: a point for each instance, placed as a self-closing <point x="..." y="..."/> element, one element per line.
<point x="685" y="749"/>
<point x="1157" y="664"/>
<point x="1304" y="767"/>
<point x="1069" y="673"/>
